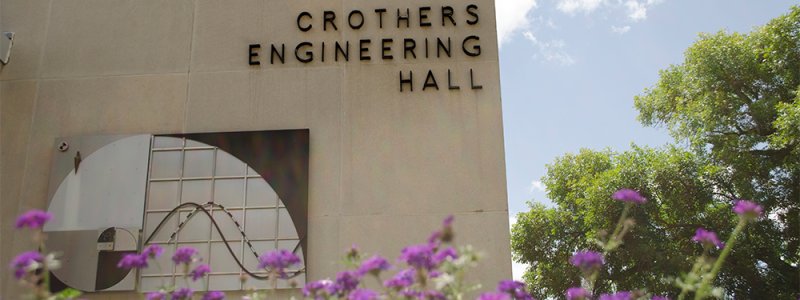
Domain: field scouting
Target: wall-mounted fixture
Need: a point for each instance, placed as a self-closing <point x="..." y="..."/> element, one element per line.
<point x="6" y="41"/>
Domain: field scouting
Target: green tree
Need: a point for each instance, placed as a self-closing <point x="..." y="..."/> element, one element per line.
<point x="735" y="103"/>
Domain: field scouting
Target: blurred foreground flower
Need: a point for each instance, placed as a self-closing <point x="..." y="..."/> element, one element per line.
<point x="184" y="255"/>
<point x="707" y="238"/>
<point x="26" y="262"/>
<point x="33" y="219"/>
<point x="748" y="209"/>
<point x="278" y="261"/>
<point x="629" y="195"/>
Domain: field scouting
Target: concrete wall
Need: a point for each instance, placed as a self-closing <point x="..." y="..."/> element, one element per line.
<point x="386" y="167"/>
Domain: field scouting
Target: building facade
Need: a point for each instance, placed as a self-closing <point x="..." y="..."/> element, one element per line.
<point x="399" y="100"/>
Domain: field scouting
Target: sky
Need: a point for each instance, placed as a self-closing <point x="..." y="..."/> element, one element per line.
<point x="569" y="70"/>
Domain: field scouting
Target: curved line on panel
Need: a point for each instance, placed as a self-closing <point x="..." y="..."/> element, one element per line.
<point x="224" y="240"/>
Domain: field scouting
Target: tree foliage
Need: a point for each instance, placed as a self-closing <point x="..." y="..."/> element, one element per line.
<point x="735" y="103"/>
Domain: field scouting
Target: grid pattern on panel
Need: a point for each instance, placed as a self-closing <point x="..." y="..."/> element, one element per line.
<point x="182" y="171"/>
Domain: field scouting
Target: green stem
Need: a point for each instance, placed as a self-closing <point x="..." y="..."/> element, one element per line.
<point x="612" y="243"/>
<point x="705" y="285"/>
<point x="45" y="288"/>
<point x="160" y="273"/>
<point x="695" y="269"/>
<point x="592" y="278"/>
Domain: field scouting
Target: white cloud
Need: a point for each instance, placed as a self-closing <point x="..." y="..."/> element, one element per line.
<point x="529" y="36"/>
<point x="512" y="16"/>
<point x="550" y="51"/>
<point x="537" y="186"/>
<point x="620" y="29"/>
<point x="573" y="6"/>
<point x="637" y="10"/>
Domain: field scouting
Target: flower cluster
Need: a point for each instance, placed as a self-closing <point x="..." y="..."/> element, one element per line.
<point x="424" y="271"/>
<point x="32" y="268"/>
<point x="698" y="281"/>
<point x="278" y="261"/>
<point x="578" y="293"/>
<point x="629" y="195"/>
<point x="133" y="261"/>
<point x="707" y="238"/>
<point x="33" y="219"/>
<point x="588" y="261"/>
<point x="748" y="209"/>
<point x="515" y="289"/>
<point x="184" y="255"/>
<point x="26" y="263"/>
<point x="433" y="270"/>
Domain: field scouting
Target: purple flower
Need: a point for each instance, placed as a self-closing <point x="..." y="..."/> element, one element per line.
<point x="418" y="256"/>
<point x="507" y="286"/>
<point x="434" y="295"/>
<point x="182" y="293"/>
<point x="434" y="238"/>
<point x="617" y="296"/>
<point x="23" y="262"/>
<point x="33" y="219"/>
<point x="748" y="209"/>
<point x="588" y="261"/>
<point x="347" y="281"/>
<point x="448" y="222"/>
<point x="629" y="195"/>
<point x="373" y="265"/>
<point x="214" y="295"/>
<point x="278" y="261"/>
<point x="409" y="293"/>
<point x="184" y="255"/>
<point x="515" y="289"/>
<point x="494" y="296"/>
<point x="200" y="271"/>
<point x="577" y="293"/>
<point x="131" y="261"/>
<point x="159" y="295"/>
<point x="363" y="294"/>
<point x="443" y="254"/>
<point x="320" y="289"/>
<point x="447" y="232"/>
<point x="152" y="251"/>
<point x="707" y="238"/>
<point x="402" y="279"/>
<point x="352" y="253"/>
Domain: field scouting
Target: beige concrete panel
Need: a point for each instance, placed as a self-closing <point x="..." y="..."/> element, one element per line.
<point x="16" y="109"/>
<point x="28" y="20"/>
<point x="113" y="37"/>
<point x="114" y="105"/>
<point x="224" y="29"/>
<point x="324" y="249"/>
<point x="440" y="151"/>
<point x="278" y="99"/>
<point x="111" y="105"/>
<point x="487" y="232"/>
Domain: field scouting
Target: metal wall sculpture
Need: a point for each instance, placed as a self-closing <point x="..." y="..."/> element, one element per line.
<point x="230" y="195"/>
